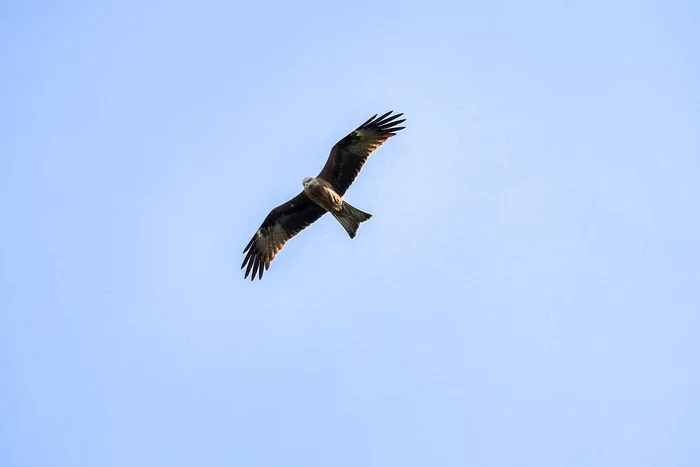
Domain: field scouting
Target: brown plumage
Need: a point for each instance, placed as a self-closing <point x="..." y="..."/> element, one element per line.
<point x="283" y="222"/>
<point x="350" y="153"/>
<point x="320" y="195"/>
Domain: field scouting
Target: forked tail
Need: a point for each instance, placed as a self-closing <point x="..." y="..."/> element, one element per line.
<point x="350" y="218"/>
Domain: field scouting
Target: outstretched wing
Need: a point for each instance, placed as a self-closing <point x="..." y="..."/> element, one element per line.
<point x="350" y="153"/>
<point x="283" y="222"/>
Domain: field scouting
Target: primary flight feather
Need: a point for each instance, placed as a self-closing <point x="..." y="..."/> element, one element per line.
<point x="321" y="194"/>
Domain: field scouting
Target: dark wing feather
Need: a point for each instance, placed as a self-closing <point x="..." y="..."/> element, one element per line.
<point x="283" y="223"/>
<point x="350" y="153"/>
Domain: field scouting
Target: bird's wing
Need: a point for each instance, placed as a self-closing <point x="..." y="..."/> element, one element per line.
<point x="350" y="153"/>
<point x="283" y="223"/>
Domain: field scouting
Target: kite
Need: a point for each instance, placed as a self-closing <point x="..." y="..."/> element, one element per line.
<point x="321" y="194"/>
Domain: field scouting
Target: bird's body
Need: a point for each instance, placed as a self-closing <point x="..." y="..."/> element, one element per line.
<point x="321" y="194"/>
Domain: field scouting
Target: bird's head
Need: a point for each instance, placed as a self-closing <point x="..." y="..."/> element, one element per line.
<point x="306" y="181"/>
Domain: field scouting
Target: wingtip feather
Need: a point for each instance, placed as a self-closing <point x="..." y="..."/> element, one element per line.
<point x="384" y="116"/>
<point x="369" y="120"/>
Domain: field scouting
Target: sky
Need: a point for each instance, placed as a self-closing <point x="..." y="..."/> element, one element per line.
<point x="527" y="292"/>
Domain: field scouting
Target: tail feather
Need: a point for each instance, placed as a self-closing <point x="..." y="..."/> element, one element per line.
<point x="350" y="218"/>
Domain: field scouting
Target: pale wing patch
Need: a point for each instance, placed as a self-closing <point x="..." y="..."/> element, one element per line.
<point x="373" y="140"/>
<point x="271" y="242"/>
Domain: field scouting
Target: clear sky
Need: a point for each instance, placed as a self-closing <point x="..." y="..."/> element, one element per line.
<point x="526" y="294"/>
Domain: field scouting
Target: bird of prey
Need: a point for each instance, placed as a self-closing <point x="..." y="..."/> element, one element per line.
<point x="321" y="194"/>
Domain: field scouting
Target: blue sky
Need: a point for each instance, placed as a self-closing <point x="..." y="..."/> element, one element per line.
<point x="526" y="294"/>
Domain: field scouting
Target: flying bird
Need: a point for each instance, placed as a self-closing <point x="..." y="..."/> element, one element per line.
<point x="321" y="194"/>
